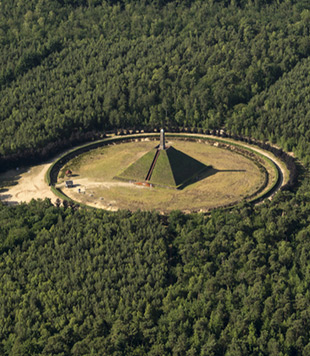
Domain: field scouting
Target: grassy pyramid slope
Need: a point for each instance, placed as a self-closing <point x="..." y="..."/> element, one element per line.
<point x="162" y="172"/>
<point x="138" y="170"/>
<point x="174" y="167"/>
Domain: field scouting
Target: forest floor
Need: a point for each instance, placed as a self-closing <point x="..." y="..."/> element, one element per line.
<point x="29" y="183"/>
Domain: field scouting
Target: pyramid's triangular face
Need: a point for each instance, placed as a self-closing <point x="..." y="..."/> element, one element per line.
<point x="138" y="170"/>
<point x="169" y="167"/>
<point x="174" y="168"/>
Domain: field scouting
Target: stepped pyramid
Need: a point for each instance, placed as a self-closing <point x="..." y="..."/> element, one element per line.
<point x="164" y="166"/>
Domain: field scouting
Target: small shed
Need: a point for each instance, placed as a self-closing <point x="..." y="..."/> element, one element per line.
<point x="69" y="183"/>
<point x="68" y="172"/>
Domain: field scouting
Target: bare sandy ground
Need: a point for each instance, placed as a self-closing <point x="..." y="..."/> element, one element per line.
<point x="27" y="184"/>
<point x="83" y="192"/>
<point x="83" y="183"/>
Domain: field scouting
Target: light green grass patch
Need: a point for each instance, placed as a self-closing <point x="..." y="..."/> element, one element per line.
<point x="138" y="170"/>
<point x="109" y="161"/>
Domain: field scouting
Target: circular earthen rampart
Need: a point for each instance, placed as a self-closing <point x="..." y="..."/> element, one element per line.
<point x="257" y="155"/>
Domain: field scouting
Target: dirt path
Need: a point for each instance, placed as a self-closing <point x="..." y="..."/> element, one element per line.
<point x="86" y="183"/>
<point x="23" y="185"/>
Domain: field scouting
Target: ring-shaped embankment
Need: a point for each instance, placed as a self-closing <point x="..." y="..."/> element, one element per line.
<point x="204" y="195"/>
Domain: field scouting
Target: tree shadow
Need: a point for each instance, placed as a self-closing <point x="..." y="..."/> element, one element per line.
<point x="11" y="178"/>
<point x="206" y="173"/>
<point x="4" y="197"/>
<point x="10" y="203"/>
<point x="8" y="183"/>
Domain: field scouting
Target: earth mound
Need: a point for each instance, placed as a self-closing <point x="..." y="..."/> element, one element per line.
<point x="169" y="167"/>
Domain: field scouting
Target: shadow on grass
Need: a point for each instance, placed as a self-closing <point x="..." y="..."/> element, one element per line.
<point x="206" y="173"/>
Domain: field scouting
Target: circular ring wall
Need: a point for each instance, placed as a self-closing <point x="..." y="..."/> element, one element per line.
<point x="94" y="166"/>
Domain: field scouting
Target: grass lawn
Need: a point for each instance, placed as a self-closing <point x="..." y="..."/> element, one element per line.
<point x="109" y="161"/>
<point x="229" y="177"/>
<point x="138" y="170"/>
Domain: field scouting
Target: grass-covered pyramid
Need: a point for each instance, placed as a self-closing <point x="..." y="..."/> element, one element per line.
<point x="166" y="167"/>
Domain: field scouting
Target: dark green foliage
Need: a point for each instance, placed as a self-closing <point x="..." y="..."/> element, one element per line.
<point x="96" y="65"/>
<point x="91" y="281"/>
<point x="281" y="114"/>
<point x="88" y="282"/>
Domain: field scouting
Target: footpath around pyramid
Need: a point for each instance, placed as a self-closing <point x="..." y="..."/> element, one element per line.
<point x="163" y="166"/>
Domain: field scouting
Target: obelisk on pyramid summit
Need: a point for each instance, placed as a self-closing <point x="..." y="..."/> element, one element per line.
<point x="162" y="145"/>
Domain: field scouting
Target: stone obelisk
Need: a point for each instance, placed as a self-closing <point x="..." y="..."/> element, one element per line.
<point x="162" y="145"/>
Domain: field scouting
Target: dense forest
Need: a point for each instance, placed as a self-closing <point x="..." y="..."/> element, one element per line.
<point x="75" y="281"/>
<point x="82" y="66"/>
